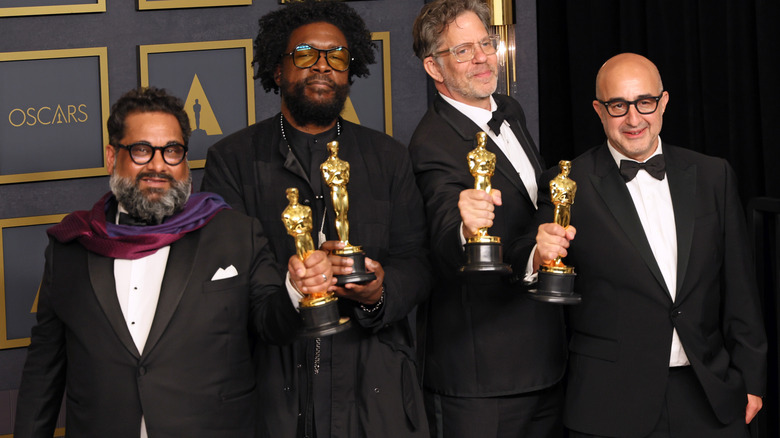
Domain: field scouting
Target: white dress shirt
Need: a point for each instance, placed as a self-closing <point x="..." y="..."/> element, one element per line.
<point x="138" y="285"/>
<point x="653" y="203"/>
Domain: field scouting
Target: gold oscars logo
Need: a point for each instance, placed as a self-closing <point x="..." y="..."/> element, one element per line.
<point x="47" y="115"/>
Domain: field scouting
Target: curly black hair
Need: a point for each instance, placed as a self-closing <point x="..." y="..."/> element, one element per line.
<point x="144" y="100"/>
<point x="277" y="26"/>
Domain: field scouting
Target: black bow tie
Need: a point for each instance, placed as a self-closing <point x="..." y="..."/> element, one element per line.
<point x="495" y="123"/>
<point x="126" y="219"/>
<point x="655" y="166"/>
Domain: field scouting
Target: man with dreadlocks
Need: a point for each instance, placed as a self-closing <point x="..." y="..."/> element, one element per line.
<point x="361" y="382"/>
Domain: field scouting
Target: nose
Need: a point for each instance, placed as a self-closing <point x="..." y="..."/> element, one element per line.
<point x="157" y="164"/>
<point x="322" y="63"/>
<point x="479" y="54"/>
<point x="633" y="117"/>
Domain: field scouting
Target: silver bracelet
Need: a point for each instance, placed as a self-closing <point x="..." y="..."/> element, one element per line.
<point x="376" y="305"/>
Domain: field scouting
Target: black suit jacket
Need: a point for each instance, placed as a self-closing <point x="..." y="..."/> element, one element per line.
<point x="484" y="337"/>
<point x="375" y="390"/>
<point x="622" y="330"/>
<point x="195" y="376"/>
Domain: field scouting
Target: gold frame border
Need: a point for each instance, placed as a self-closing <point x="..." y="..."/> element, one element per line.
<point x="145" y="5"/>
<point x="246" y="44"/>
<point x="6" y="343"/>
<point x="388" y="94"/>
<point x="79" y="8"/>
<point x="102" y="54"/>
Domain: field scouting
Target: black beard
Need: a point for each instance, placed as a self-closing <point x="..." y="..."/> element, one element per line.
<point x="138" y="204"/>
<point x="306" y="112"/>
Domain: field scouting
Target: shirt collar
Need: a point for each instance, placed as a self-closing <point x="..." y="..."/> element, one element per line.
<point x="477" y="115"/>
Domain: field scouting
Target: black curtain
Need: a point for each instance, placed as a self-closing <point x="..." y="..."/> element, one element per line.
<point x="719" y="61"/>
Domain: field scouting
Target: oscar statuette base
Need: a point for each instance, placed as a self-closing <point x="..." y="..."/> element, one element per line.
<point x="359" y="274"/>
<point x="322" y="320"/>
<point x="485" y="258"/>
<point x="555" y="286"/>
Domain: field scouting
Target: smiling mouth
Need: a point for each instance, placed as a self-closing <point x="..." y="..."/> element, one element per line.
<point x="154" y="178"/>
<point x="635" y="132"/>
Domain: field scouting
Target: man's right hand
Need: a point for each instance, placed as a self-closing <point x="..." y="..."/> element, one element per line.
<point x="313" y="275"/>
<point x="552" y="240"/>
<point x="477" y="210"/>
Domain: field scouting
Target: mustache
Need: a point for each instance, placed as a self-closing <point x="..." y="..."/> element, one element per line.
<point x="319" y="78"/>
<point x="489" y="67"/>
<point x="142" y="175"/>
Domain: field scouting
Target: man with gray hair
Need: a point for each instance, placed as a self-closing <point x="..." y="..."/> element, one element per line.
<point x="493" y="358"/>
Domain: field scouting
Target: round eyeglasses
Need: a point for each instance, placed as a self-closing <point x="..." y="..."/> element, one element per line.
<point x="465" y="52"/>
<point x="643" y="105"/>
<point x="305" y="56"/>
<point x="142" y="152"/>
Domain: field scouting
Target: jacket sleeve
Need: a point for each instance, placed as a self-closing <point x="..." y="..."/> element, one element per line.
<point x="441" y="178"/>
<point x="407" y="267"/>
<point x="274" y="316"/>
<point x="43" y="377"/>
<point x="742" y="321"/>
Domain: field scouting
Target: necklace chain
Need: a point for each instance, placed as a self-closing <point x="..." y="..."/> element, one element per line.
<point x="284" y="136"/>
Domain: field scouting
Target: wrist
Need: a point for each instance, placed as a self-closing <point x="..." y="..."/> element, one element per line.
<point x="370" y="308"/>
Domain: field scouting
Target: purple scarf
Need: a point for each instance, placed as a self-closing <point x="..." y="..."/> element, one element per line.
<point x="92" y="231"/>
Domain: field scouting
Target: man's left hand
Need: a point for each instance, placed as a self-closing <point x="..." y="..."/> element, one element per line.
<point x="368" y="293"/>
<point x="754" y="405"/>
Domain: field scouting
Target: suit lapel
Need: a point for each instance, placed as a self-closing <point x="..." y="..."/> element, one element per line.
<point x="524" y="140"/>
<point x="178" y="271"/>
<point x="467" y="130"/>
<point x="612" y="189"/>
<point x="101" y="274"/>
<point x="682" y="186"/>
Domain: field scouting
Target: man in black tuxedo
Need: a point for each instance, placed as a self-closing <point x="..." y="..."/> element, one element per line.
<point x="149" y="301"/>
<point x="361" y="382"/>
<point x="668" y="340"/>
<point x="493" y="358"/>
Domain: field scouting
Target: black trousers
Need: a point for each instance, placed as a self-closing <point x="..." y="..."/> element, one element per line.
<point x="686" y="413"/>
<point x="530" y="415"/>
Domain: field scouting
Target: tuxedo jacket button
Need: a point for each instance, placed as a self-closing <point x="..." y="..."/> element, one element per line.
<point x="142" y="371"/>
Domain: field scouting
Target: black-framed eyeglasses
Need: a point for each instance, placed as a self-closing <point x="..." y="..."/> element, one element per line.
<point x="465" y="52"/>
<point x="305" y="56"/>
<point x="143" y="152"/>
<point x="643" y="105"/>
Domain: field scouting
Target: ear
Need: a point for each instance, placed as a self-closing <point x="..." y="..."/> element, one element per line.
<point x="110" y="158"/>
<point x="664" y="101"/>
<point x="598" y="107"/>
<point x="433" y="69"/>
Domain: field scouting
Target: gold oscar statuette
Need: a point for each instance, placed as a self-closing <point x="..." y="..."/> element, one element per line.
<point x="319" y="310"/>
<point x="556" y="280"/>
<point x="484" y="253"/>
<point x="335" y="173"/>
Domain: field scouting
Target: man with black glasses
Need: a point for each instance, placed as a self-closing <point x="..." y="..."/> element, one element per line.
<point x="493" y="358"/>
<point x="148" y="302"/>
<point x="361" y="382"/>
<point x="668" y="340"/>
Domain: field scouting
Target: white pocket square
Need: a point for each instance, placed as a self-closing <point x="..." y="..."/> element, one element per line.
<point x="222" y="274"/>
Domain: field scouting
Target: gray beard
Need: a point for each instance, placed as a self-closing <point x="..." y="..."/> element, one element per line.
<point x="137" y="204"/>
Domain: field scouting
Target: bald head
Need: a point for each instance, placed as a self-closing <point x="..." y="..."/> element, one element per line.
<point x="630" y="102"/>
<point x="627" y="66"/>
